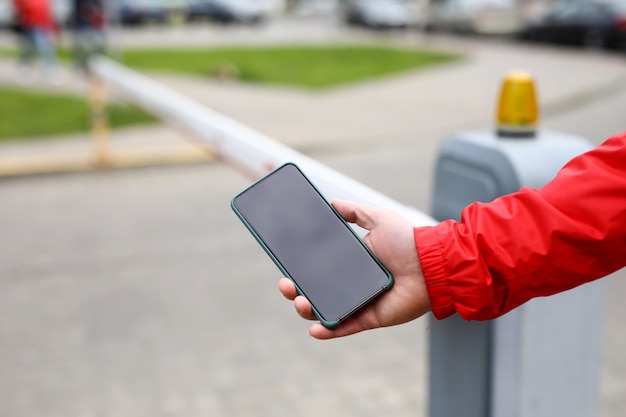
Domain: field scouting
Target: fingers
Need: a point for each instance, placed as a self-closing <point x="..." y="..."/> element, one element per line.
<point x="303" y="308"/>
<point x="301" y="304"/>
<point x="355" y="324"/>
<point x="287" y="288"/>
<point x="318" y="331"/>
<point x="354" y="212"/>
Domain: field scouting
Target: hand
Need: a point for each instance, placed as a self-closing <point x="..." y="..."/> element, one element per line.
<point x="391" y="239"/>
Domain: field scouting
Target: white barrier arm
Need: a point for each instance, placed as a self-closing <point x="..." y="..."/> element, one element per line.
<point x="247" y="150"/>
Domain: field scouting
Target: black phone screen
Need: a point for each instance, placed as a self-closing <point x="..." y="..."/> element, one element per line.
<point x="313" y="245"/>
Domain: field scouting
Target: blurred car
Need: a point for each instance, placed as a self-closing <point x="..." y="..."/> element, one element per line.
<point x="483" y="17"/>
<point x="377" y="13"/>
<point x="307" y="8"/>
<point x="227" y="11"/>
<point x="136" y="12"/>
<point x="592" y="24"/>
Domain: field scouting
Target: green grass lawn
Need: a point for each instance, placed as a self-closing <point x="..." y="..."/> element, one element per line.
<point x="25" y="114"/>
<point x="298" y="66"/>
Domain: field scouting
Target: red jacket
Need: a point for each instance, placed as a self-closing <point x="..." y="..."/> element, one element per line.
<point x="34" y="13"/>
<point x="531" y="243"/>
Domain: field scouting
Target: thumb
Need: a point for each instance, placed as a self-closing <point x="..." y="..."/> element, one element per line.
<point x="354" y="212"/>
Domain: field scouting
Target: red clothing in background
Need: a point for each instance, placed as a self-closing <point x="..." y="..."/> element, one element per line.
<point x="34" y="13"/>
<point x="531" y="243"/>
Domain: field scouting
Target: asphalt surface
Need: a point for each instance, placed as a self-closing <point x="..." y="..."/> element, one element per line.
<point x="138" y="293"/>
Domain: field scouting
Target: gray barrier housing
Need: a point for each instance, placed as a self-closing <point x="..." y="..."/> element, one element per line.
<point x="542" y="359"/>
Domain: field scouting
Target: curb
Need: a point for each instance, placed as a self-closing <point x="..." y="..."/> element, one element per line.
<point x="113" y="159"/>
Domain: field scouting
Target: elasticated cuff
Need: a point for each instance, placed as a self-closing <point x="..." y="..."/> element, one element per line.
<point x="431" y="257"/>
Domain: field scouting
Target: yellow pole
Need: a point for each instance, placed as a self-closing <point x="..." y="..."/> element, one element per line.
<point x="99" y="121"/>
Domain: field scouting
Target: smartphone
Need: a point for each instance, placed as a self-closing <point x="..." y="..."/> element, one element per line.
<point x="311" y="244"/>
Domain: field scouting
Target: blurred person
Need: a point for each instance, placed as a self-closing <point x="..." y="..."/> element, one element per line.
<point x="37" y="29"/>
<point x="532" y="243"/>
<point x="89" y="25"/>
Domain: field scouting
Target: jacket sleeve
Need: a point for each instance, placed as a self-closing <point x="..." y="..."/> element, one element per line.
<point x="531" y="243"/>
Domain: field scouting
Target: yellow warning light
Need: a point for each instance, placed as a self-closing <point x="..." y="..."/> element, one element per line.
<point x="517" y="110"/>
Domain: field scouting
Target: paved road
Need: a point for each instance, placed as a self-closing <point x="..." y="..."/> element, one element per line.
<point x="138" y="293"/>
